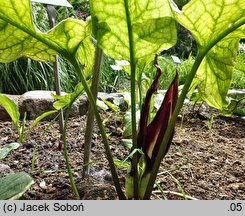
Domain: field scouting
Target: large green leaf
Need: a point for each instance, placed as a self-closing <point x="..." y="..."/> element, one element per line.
<point x="206" y="20"/>
<point x="151" y="22"/>
<point x="215" y="73"/>
<point x="18" y="36"/>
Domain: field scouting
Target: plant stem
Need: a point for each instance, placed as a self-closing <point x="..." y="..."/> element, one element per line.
<point x="133" y="98"/>
<point x="52" y="22"/>
<point x="68" y="167"/>
<point x="120" y="193"/>
<point x="140" y="91"/>
<point x="90" y="119"/>
<point x="201" y="54"/>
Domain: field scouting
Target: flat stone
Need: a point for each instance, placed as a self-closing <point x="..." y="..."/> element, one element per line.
<point x="35" y="103"/>
<point x="80" y="106"/>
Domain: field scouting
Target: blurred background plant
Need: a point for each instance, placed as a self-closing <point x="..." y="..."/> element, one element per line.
<point x="24" y="75"/>
<point x="238" y="79"/>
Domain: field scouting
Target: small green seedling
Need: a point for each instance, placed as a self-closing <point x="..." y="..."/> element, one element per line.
<point x="13" y="111"/>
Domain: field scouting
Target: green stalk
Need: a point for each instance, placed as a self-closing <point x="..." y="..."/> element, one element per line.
<point x="77" y="67"/>
<point x="68" y="167"/>
<point x="201" y="54"/>
<point x="178" y="185"/>
<point x="90" y="119"/>
<point x="133" y="99"/>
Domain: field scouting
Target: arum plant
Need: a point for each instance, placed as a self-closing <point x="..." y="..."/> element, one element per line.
<point x="217" y="42"/>
<point x="129" y="30"/>
<point x="137" y="29"/>
<point x="134" y="30"/>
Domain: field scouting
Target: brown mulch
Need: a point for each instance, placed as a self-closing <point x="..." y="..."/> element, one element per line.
<point x="206" y="159"/>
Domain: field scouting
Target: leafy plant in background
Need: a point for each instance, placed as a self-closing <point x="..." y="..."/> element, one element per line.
<point x="134" y="31"/>
<point x="112" y="80"/>
<point x="13" y="186"/>
<point x="238" y="78"/>
<point x="13" y="111"/>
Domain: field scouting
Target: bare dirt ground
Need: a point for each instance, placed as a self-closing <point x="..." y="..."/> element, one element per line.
<point x="206" y="160"/>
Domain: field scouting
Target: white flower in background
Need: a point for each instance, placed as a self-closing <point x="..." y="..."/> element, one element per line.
<point x="118" y="64"/>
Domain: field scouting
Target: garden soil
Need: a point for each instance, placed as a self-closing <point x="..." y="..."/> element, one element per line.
<point x="206" y="160"/>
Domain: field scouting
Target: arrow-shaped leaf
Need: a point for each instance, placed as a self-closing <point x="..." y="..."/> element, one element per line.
<point x="206" y="20"/>
<point x="18" y="36"/>
<point x="152" y="25"/>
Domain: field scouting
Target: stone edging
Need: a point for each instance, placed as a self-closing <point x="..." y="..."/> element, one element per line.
<point x="34" y="103"/>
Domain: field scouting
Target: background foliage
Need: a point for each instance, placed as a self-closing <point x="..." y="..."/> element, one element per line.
<point x="25" y="74"/>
